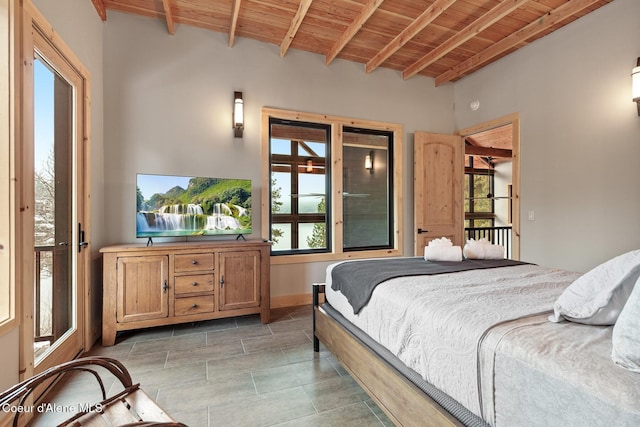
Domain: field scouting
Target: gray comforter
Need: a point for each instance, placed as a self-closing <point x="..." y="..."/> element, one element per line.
<point x="357" y="279"/>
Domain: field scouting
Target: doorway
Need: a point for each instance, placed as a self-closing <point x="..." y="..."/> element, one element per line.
<point x="492" y="172"/>
<point x="54" y="172"/>
<point x="439" y="199"/>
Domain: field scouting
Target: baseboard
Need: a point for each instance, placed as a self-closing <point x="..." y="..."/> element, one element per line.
<point x="294" y="300"/>
<point x="291" y="300"/>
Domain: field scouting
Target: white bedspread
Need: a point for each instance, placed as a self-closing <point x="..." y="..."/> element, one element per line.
<point x="433" y="323"/>
<point x="539" y="373"/>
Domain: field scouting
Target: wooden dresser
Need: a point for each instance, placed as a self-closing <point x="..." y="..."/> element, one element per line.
<point x="171" y="283"/>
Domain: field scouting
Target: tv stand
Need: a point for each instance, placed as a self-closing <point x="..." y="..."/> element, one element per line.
<point x="150" y="242"/>
<point x="241" y="236"/>
<point x="183" y="282"/>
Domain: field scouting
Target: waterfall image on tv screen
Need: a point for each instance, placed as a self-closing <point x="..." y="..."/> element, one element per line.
<point x="168" y="205"/>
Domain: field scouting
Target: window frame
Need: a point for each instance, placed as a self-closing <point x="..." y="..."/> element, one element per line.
<point x="389" y="181"/>
<point x="8" y="296"/>
<point x="335" y="210"/>
<point x="294" y="160"/>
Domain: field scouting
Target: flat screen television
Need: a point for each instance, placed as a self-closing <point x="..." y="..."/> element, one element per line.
<point x="169" y="206"/>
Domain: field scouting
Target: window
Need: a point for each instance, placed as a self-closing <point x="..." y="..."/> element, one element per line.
<point x="368" y="188"/>
<point x="330" y="183"/>
<point x="479" y="184"/>
<point x="299" y="196"/>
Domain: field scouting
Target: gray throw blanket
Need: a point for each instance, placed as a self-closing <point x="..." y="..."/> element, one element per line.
<point x="357" y="279"/>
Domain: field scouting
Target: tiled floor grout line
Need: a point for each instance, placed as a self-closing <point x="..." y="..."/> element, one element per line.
<point x="153" y="359"/>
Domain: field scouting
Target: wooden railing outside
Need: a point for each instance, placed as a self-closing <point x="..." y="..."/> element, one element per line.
<point x="43" y="328"/>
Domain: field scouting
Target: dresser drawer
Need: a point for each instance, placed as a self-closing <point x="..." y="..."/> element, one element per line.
<point x="194" y="305"/>
<point x="193" y="262"/>
<point x="194" y="283"/>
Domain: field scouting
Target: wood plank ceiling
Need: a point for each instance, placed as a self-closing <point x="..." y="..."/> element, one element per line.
<point x="490" y="146"/>
<point x="442" y="39"/>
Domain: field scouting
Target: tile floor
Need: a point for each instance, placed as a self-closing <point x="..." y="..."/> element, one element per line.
<point x="234" y="372"/>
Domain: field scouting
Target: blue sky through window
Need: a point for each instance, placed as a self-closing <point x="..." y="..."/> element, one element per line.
<point x="43" y="113"/>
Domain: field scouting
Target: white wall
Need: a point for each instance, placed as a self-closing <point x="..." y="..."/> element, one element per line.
<point x="580" y="135"/>
<point x="168" y="110"/>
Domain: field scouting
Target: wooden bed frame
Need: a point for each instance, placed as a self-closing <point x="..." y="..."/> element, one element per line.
<point x="403" y="402"/>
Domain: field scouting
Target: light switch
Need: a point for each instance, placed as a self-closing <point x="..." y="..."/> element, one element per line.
<point x="532" y="216"/>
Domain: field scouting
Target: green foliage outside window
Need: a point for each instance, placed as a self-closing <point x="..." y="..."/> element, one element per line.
<point x="478" y="200"/>
<point x="276" y="205"/>
<point x="318" y="238"/>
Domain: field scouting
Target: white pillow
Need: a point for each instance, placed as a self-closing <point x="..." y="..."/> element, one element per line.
<point x="598" y="296"/>
<point x="626" y="333"/>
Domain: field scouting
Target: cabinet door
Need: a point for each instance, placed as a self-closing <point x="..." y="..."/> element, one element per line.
<point x="142" y="288"/>
<point x="239" y="279"/>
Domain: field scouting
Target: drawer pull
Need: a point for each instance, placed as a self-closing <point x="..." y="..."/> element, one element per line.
<point x="194" y="262"/>
<point x="194" y="284"/>
<point x="194" y="305"/>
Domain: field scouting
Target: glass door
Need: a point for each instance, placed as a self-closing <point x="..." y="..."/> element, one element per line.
<point x="58" y="207"/>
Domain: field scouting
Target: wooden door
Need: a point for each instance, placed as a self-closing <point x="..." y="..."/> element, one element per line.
<point x="438" y="188"/>
<point x="142" y="292"/>
<point x="239" y="279"/>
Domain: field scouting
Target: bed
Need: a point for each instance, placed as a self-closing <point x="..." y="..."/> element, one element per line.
<point x="472" y="345"/>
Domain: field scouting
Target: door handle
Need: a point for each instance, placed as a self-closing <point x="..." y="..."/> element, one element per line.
<point x="420" y="231"/>
<point x="81" y="242"/>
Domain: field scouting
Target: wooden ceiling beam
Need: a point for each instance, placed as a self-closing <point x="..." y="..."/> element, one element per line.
<point x="303" y="8"/>
<point x="168" y="16"/>
<point x="352" y="30"/>
<point x="135" y="9"/>
<point x="504" y="8"/>
<point x="101" y="9"/>
<point x="419" y="24"/>
<point x="534" y="28"/>
<point x="471" y="38"/>
<point x="235" y="11"/>
<point x="474" y="150"/>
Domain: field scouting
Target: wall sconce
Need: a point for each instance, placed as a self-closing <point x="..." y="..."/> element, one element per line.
<point x="635" y="85"/>
<point x="309" y="165"/>
<point x="368" y="162"/>
<point x="238" y="114"/>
